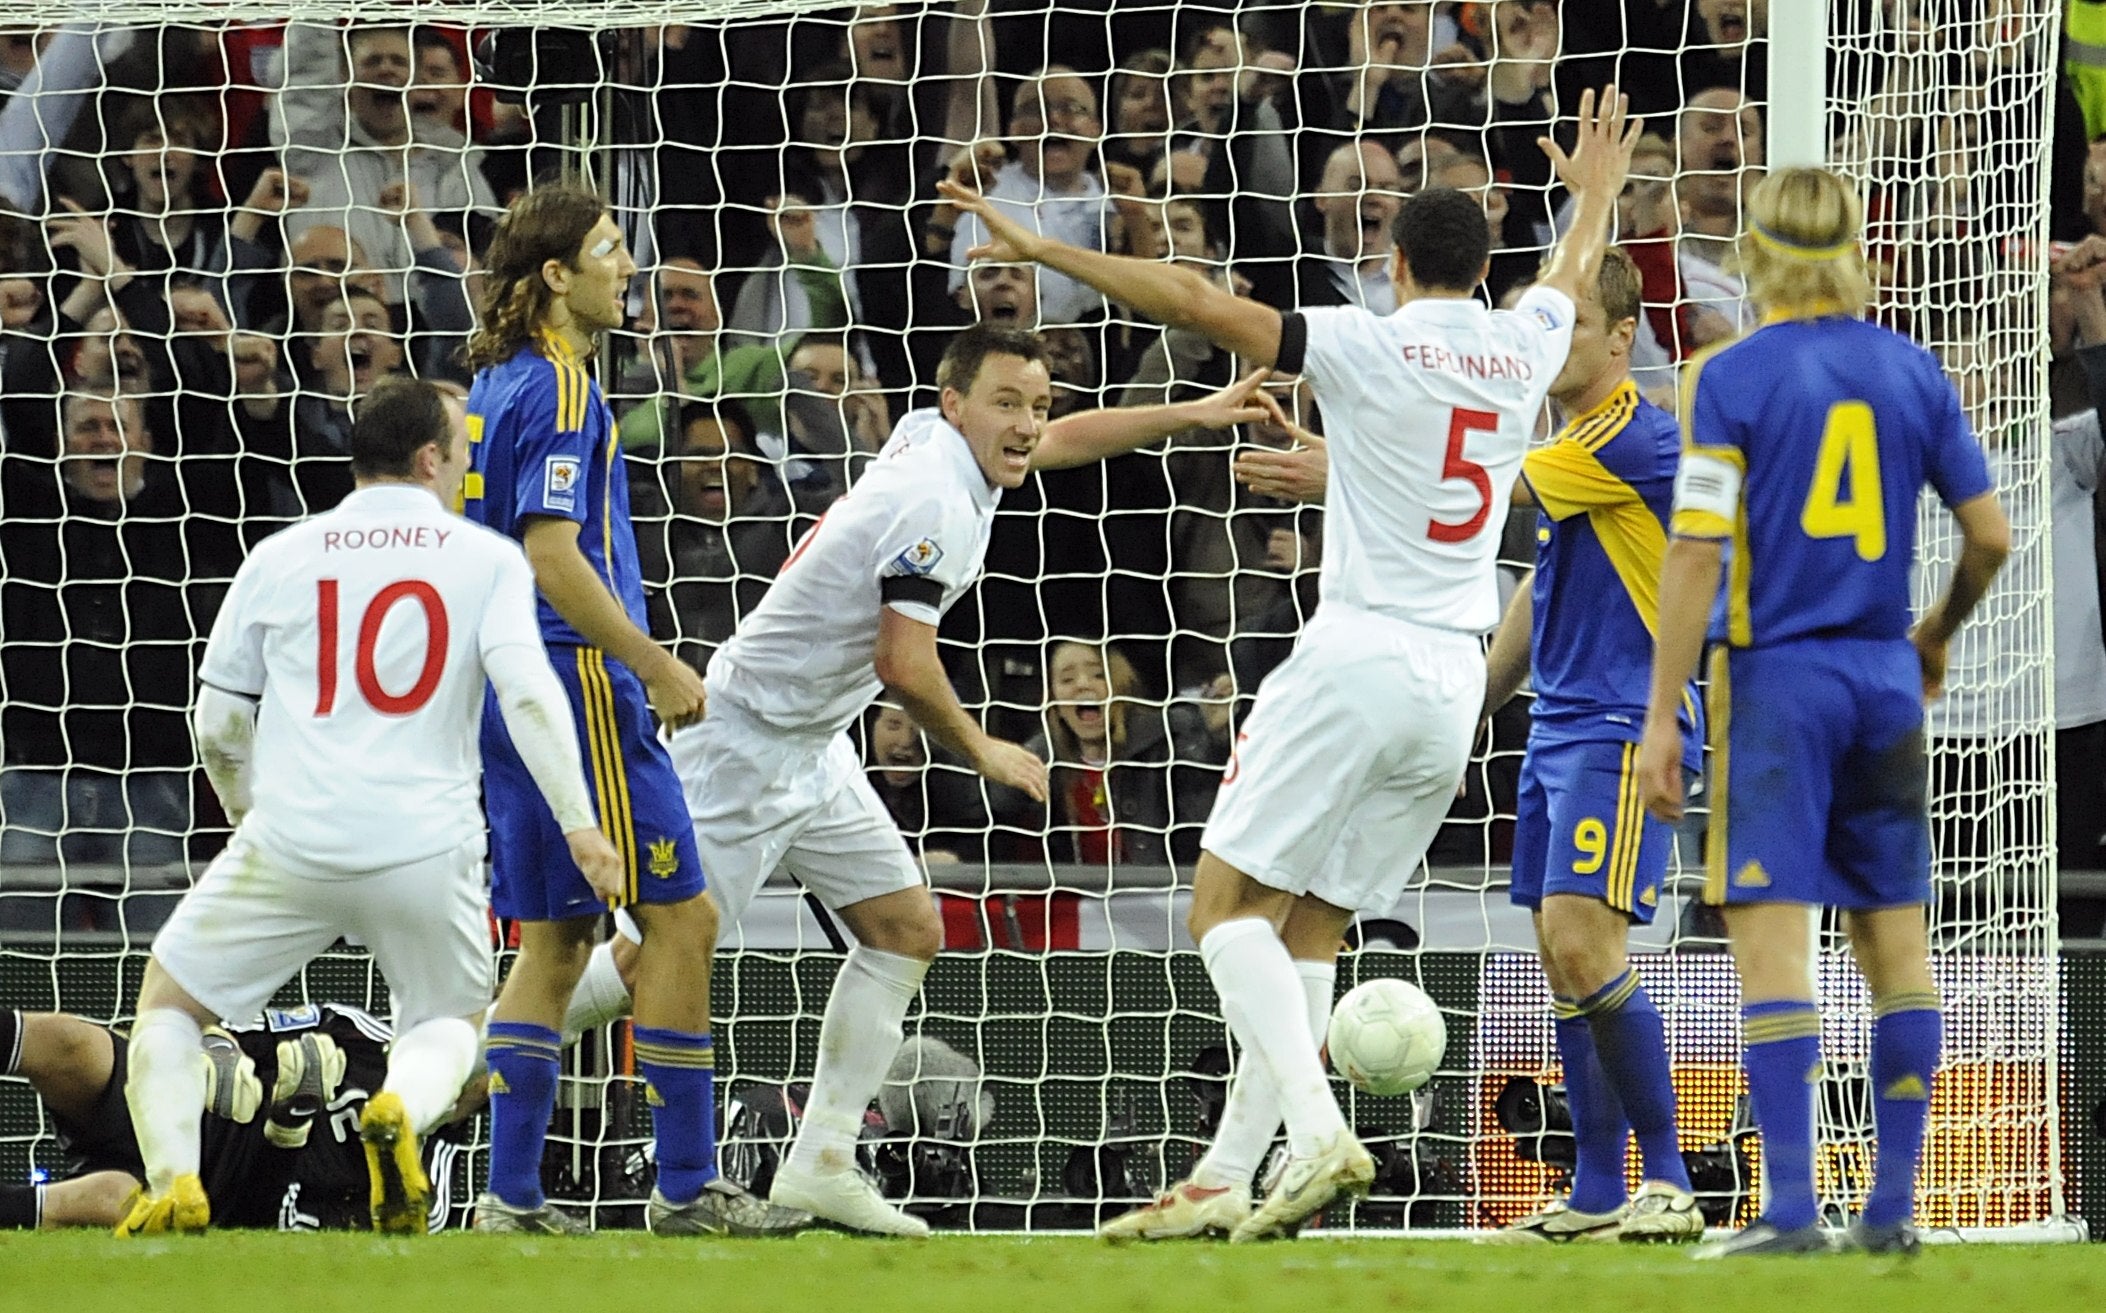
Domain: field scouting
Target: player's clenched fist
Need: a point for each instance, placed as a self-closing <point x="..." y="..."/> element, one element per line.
<point x="677" y="696"/>
<point x="1007" y="763"/>
<point x="597" y="862"/>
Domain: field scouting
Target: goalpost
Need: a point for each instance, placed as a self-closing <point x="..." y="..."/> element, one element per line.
<point x="1071" y="985"/>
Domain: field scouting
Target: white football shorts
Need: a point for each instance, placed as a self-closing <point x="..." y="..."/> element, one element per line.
<point x="1350" y="759"/>
<point x="248" y="927"/>
<point x="763" y="797"/>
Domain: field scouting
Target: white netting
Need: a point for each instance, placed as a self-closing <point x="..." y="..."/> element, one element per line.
<point x="775" y="172"/>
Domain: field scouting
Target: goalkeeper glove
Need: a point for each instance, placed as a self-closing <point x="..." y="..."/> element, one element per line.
<point x="232" y="1089"/>
<point x="310" y="1068"/>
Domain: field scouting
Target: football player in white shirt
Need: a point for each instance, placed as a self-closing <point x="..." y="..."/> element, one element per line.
<point x="339" y="709"/>
<point x="773" y="780"/>
<point x="1352" y="753"/>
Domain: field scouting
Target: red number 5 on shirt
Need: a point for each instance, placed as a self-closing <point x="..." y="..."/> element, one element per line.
<point x="1461" y="423"/>
<point x="369" y="685"/>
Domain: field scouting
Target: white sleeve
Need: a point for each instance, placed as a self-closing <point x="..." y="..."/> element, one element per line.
<point x="225" y="725"/>
<point x="1331" y="331"/>
<point x="536" y="710"/>
<point x="1707" y="495"/>
<point x="1546" y="316"/>
<point x="233" y="659"/>
<point x="537" y="716"/>
<point x="924" y="553"/>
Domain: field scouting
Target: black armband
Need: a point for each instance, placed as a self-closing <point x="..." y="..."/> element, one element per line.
<point x="1294" y="343"/>
<point x="911" y="588"/>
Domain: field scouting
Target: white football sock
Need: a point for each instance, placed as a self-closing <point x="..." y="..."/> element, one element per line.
<point x="166" y="1093"/>
<point x="600" y="997"/>
<point x="1260" y="991"/>
<point x="1252" y="1115"/>
<point x="427" y="1065"/>
<point x="858" y="1039"/>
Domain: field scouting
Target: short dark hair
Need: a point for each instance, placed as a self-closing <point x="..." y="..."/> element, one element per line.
<point x="960" y="366"/>
<point x="395" y="420"/>
<point x="726" y="414"/>
<point x="1444" y="238"/>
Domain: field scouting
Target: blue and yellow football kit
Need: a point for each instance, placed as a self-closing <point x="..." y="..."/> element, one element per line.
<point x="1606" y="486"/>
<point x="1835" y="426"/>
<point x="543" y="443"/>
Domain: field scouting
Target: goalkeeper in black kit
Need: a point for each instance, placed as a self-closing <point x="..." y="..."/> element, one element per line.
<point x="281" y="1148"/>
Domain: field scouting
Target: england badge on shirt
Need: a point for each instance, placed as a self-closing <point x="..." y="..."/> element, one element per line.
<point x="919" y="559"/>
<point x="560" y="490"/>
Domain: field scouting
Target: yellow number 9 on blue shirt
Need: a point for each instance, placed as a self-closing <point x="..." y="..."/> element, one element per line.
<point x="1849" y="448"/>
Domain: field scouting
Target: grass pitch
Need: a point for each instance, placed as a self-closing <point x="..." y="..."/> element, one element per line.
<point x="632" y="1273"/>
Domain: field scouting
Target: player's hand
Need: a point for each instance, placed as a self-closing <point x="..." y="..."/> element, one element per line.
<point x="1008" y="242"/>
<point x="1930" y="654"/>
<point x="1299" y="475"/>
<point x="597" y="862"/>
<point x="677" y="696"/>
<point x="1601" y="157"/>
<point x="1660" y="772"/>
<point x="1003" y="762"/>
<point x="1239" y="403"/>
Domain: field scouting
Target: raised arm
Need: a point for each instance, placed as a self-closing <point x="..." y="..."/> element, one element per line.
<point x="1594" y="174"/>
<point x="1165" y="293"/>
<point x="1095" y="435"/>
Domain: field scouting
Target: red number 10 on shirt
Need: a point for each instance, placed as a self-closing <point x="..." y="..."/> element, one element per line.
<point x="1462" y="423"/>
<point x="369" y="686"/>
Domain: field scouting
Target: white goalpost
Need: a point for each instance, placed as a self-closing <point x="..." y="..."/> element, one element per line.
<point x="774" y="165"/>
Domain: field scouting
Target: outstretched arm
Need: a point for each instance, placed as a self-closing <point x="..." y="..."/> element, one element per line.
<point x="1594" y="173"/>
<point x="1095" y="435"/>
<point x="1166" y="293"/>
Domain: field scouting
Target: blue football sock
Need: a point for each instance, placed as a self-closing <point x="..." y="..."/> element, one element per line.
<point x="680" y="1084"/>
<point x="1632" y="1046"/>
<point x="1905" y="1034"/>
<point x="1598" y="1126"/>
<point x="523" y="1061"/>
<point x="1783" y="1041"/>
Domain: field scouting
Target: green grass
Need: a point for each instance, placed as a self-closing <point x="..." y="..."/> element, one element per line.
<point x="629" y="1273"/>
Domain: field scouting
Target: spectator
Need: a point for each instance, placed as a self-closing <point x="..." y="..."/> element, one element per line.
<point x="355" y="348"/>
<point x="1381" y="69"/>
<point x="1355" y="205"/>
<point x="1472" y="176"/>
<point x="680" y="327"/>
<point x="1724" y="46"/>
<point x="713" y="526"/>
<point x="1053" y="132"/>
<point x="348" y="133"/>
<point x="161" y="224"/>
<point x="438" y="90"/>
<point x="1720" y="154"/>
<point x="1132" y="782"/>
<point x="1139" y="97"/>
<point x="936" y="804"/>
<point x="103" y="608"/>
<point x="441" y="316"/>
<point x="842" y="243"/>
<point x="799" y="285"/>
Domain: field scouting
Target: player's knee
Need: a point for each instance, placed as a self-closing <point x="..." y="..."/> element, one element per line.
<point x="1577" y="957"/>
<point x="918" y="935"/>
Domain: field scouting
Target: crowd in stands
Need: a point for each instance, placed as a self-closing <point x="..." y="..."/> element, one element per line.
<point x="217" y="239"/>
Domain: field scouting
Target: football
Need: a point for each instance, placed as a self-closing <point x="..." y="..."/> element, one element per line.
<point x="1386" y="1037"/>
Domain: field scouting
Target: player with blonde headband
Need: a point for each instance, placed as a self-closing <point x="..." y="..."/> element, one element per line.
<point x="1352" y="755"/>
<point x="343" y="685"/>
<point x="1809" y="444"/>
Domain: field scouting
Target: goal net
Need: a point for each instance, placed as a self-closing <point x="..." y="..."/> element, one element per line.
<point x="220" y="226"/>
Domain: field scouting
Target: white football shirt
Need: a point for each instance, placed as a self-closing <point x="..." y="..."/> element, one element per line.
<point x="1427" y="412"/>
<point x="803" y="660"/>
<point x="363" y="632"/>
